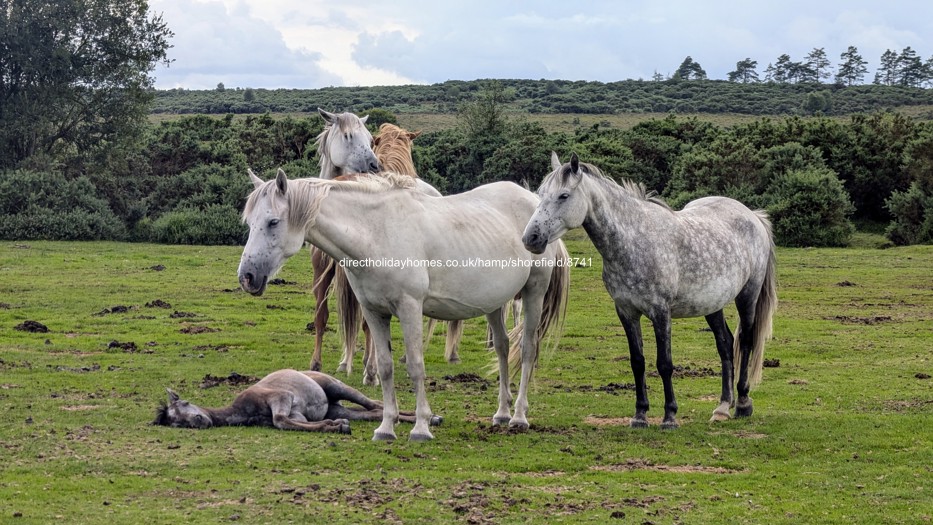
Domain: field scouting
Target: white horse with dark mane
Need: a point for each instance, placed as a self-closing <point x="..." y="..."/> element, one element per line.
<point x="660" y="264"/>
<point x="457" y="257"/>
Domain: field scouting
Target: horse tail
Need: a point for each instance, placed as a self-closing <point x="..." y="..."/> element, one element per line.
<point x="454" y="334"/>
<point x="350" y="315"/>
<point x="764" y="314"/>
<point x="553" y="312"/>
<point x="429" y="332"/>
<point x="323" y="265"/>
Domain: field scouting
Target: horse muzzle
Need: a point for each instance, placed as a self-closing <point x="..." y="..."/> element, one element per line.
<point x="534" y="242"/>
<point x="249" y="284"/>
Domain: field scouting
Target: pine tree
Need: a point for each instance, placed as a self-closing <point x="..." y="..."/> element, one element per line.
<point x="744" y="71"/>
<point x="852" y="68"/>
<point x="887" y="71"/>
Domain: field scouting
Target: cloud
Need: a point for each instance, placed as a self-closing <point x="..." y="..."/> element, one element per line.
<point x="316" y="43"/>
<point x="213" y="45"/>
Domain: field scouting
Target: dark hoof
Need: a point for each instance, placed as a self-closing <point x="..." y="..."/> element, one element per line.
<point x="382" y="436"/>
<point x="638" y="423"/>
<point x="743" y="411"/>
<point x="344" y="428"/>
<point x="420" y="438"/>
<point x="669" y="425"/>
<point x="436" y="421"/>
<point x="454" y="360"/>
<point x="316" y="367"/>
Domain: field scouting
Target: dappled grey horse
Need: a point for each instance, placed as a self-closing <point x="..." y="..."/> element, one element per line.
<point x="661" y="264"/>
<point x="285" y="399"/>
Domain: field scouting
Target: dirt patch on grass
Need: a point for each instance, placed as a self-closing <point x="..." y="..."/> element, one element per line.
<point x="600" y="421"/>
<point x="851" y="319"/>
<point x="643" y="464"/>
<point x="181" y="315"/>
<point x="32" y="326"/>
<point x="118" y="309"/>
<point x="466" y="377"/>
<point x="905" y="405"/>
<point x="234" y="379"/>
<point x="610" y="388"/>
<point x="688" y="371"/>
<point x="77" y="408"/>
<point x="198" y="329"/>
<point x="158" y="303"/>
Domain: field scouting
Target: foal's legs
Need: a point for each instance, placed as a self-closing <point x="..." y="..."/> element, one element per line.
<point x="724" y="344"/>
<point x="632" y="326"/>
<point x="500" y="341"/>
<point x="280" y="402"/>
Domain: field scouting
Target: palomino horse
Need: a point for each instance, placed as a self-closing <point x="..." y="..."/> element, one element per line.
<point x="457" y="257"/>
<point x="665" y="264"/>
<point x="284" y="399"/>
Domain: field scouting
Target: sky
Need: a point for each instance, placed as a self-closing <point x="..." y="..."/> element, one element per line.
<point x="310" y="44"/>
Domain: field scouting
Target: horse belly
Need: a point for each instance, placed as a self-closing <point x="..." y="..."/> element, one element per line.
<point x="697" y="301"/>
<point x="465" y="294"/>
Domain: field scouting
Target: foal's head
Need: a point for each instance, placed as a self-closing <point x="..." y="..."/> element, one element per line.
<point x="181" y="414"/>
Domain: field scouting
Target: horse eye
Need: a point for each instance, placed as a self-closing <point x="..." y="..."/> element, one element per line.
<point x="563" y="196"/>
<point x="273" y="222"/>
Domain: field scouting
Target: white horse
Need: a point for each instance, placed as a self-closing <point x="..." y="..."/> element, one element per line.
<point x="457" y="257"/>
<point x="345" y="145"/>
<point x="660" y="264"/>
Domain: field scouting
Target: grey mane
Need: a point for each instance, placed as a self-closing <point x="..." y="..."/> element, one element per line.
<point x="630" y="187"/>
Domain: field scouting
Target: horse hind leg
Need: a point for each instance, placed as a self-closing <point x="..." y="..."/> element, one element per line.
<point x="724" y="344"/>
<point x="323" y="277"/>
<point x="744" y="342"/>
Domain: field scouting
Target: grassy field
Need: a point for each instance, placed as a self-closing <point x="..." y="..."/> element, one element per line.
<point x="842" y="430"/>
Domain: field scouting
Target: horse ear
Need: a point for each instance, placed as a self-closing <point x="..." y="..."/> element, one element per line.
<point x="412" y="135"/>
<point x="172" y="396"/>
<point x="555" y="161"/>
<point x="574" y="163"/>
<point x="257" y="182"/>
<point x="364" y="119"/>
<point x="376" y="140"/>
<point x="281" y="181"/>
<point x="328" y="117"/>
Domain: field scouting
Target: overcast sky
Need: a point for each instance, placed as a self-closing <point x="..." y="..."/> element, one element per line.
<point x="320" y="43"/>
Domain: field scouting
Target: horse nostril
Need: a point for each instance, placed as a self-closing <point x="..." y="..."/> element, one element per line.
<point x="248" y="278"/>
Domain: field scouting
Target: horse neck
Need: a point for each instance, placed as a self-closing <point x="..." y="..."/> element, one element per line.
<point x="611" y="210"/>
<point x="328" y="169"/>
<point x="225" y="416"/>
<point x="343" y="224"/>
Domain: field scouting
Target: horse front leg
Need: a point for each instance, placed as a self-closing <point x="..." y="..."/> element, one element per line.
<point x="632" y="326"/>
<point x="500" y="342"/>
<point x="370" y="377"/>
<point x="379" y="326"/>
<point x="724" y="344"/>
<point x="534" y="297"/>
<point x="662" y="334"/>
<point x="410" y="317"/>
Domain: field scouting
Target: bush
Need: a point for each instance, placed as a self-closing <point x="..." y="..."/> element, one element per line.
<point x="47" y="206"/>
<point x="913" y="216"/>
<point x="810" y="208"/>
<point x="215" y="224"/>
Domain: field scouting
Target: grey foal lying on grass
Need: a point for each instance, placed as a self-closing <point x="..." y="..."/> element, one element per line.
<point x="285" y="399"/>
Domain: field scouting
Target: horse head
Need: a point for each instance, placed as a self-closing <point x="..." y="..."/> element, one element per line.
<point x="181" y="414"/>
<point x="345" y="145"/>
<point x="563" y="205"/>
<point x="274" y="235"/>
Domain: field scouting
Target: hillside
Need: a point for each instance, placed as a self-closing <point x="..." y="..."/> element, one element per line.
<point x="559" y="96"/>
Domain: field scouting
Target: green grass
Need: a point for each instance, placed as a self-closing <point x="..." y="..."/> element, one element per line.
<point x="842" y="430"/>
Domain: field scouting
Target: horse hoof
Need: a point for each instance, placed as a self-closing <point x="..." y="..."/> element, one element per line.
<point x="745" y="411"/>
<point x="342" y="368"/>
<point x="344" y="428"/>
<point x="499" y="421"/>
<point x="436" y="421"/>
<point x="420" y="438"/>
<point x="454" y="360"/>
<point x="638" y="423"/>
<point x="315" y="367"/>
<point x="669" y="425"/>
<point x="383" y="436"/>
<point x="521" y="426"/>
<point x="369" y="381"/>
<point x="719" y="416"/>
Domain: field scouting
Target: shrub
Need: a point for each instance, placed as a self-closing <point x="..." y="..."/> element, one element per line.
<point x="913" y="216"/>
<point x="810" y="207"/>
<point x="215" y="224"/>
<point x="47" y="206"/>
